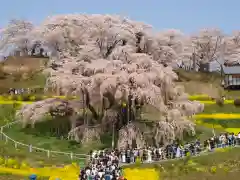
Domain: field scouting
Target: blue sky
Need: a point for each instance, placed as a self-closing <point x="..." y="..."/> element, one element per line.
<point x="186" y="15"/>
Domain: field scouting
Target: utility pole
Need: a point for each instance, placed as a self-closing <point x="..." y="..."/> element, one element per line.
<point x="86" y="116"/>
<point x="84" y="113"/>
<point x="113" y="135"/>
<point x="133" y="108"/>
<point x="127" y="109"/>
<point x="83" y="106"/>
<point x="213" y="130"/>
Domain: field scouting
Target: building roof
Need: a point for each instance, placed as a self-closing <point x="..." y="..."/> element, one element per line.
<point x="231" y="70"/>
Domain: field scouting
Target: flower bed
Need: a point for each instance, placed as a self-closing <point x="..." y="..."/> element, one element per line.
<point x="217" y="116"/>
<point x="30" y="97"/>
<point x="200" y="97"/>
<point x="234" y="130"/>
<point x="206" y="99"/>
<point x="15" y="102"/>
<point x="141" y="174"/>
<point x="12" y="166"/>
<point x="226" y="122"/>
<point x="68" y="172"/>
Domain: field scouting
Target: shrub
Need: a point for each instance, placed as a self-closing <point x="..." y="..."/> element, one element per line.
<point x="16" y="105"/>
<point x="13" y="97"/>
<point x="25" y="97"/>
<point x="237" y="102"/>
<point x="38" y="98"/>
<point x="220" y="102"/>
<point x="20" y="98"/>
<point x="10" y="97"/>
<point x="2" y="161"/>
<point x="32" y="98"/>
<point x="11" y="162"/>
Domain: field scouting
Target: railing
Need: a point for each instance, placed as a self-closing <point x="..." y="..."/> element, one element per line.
<point x="30" y="147"/>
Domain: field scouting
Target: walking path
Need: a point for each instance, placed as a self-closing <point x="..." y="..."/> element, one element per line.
<point x="204" y="153"/>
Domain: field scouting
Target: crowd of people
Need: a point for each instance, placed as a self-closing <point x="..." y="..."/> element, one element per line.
<point x="14" y="91"/>
<point x="106" y="164"/>
<point x="223" y="140"/>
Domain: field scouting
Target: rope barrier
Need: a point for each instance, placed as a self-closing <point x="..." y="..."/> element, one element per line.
<point x="31" y="147"/>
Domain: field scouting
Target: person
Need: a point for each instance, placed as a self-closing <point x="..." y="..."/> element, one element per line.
<point x="192" y="149"/>
<point x="208" y="145"/>
<point x="238" y="139"/>
<point x="107" y="176"/>
<point x="178" y="152"/>
<point x="135" y="154"/>
<point x="198" y="146"/>
<point x="223" y="140"/>
<point x="121" y="178"/>
<point x="33" y="177"/>
<point x="123" y="157"/>
<point x="12" y="91"/>
<point x="83" y="174"/>
<point x="128" y="155"/>
<point x="223" y="98"/>
<point x="212" y="144"/>
<point x="88" y="172"/>
<point x="231" y="139"/>
<point x="149" y="155"/>
<point x="15" y="91"/>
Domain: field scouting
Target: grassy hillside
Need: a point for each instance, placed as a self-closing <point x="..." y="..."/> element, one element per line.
<point x="22" y="72"/>
<point x="204" y="83"/>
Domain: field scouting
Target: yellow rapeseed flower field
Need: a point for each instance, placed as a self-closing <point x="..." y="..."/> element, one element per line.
<point x="69" y="172"/>
<point x="199" y="96"/>
<point x="17" y="102"/>
<point x="233" y="130"/>
<point x="141" y="174"/>
<point x="214" y="102"/>
<point x="217" y="116"/>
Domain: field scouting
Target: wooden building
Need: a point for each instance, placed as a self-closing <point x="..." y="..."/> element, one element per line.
<point x="231" y="77"/>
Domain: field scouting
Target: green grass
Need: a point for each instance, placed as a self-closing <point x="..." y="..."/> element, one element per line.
<point x="203" y="133"/>
<point x="44" y="141"/>
<point x="225" y="123"/>
<point x="6" y="116"/>
<point x="41" y="140"/>
<point x="227" y="108"/>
